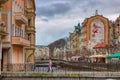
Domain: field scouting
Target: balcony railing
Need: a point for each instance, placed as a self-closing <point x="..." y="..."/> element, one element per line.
<point x="20" y="41"/>
<point x="2" y="26"/>
<point x="31" y="28"/>
<point x="18" y="67"/>
<point x="62" y="66"/>
<point x="19" y="16"/>
<point x="2" y="30"/>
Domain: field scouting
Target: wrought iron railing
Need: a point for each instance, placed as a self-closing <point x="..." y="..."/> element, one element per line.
<point x="62" y="67"/>
<point x="18" y="67"/>
<point x="2" y="26"/>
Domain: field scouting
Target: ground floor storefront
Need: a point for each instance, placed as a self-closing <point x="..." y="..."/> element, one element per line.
<point x="15" y="55"/>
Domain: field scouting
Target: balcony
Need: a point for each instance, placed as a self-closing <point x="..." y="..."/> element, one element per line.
<point x="30" y="10"/>
<point x="20" y="41"/>
<point x="31" y="28"/>
<point x="2" y="31"/>
<point x="19" y="16"/>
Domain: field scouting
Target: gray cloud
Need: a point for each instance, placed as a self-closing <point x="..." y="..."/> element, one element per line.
<point x="53" y="9"/>
<point x="67" y="13"/>
<point x="50" y="34"/>
<point x="44" y="19"/>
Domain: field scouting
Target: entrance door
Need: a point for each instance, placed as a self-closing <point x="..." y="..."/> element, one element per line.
<point x="2" y="62"/>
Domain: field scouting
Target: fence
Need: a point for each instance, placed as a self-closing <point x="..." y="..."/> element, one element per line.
<point x="18" y="67"/>
<point x="85" y="66"/>
<point x="62" y="67"/>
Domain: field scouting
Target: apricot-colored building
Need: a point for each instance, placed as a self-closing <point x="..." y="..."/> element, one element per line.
<point x="19" y="18"/>
<point x="95" y="30"/>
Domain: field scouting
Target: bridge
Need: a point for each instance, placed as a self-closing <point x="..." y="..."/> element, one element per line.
<point x="61" y="69"/>
<point x="83" y="66"/>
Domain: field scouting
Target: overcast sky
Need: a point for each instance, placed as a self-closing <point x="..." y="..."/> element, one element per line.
<point x="56" y="18"/>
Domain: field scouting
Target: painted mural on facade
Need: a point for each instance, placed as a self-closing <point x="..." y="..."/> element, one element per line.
<point x="97" y="31"/>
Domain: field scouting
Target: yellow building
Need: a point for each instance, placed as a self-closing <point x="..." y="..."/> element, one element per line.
<point x="74" y="41"/>
<point x="19" y="18"/>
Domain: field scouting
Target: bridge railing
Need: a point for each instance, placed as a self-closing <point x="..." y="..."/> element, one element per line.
<point x="18" y="67"/>
<point x="62" y="66"/>
<point x="86" y="66"/>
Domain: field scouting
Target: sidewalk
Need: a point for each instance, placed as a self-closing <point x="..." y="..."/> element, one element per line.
<point x="63" y="74"/>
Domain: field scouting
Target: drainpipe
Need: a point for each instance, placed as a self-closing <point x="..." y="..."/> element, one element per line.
<point x="0" y="42"/>
<point x="0" y="54"/>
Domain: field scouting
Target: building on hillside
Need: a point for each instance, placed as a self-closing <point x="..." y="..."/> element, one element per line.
<point x="19" y="19"/>
<point x="41" y="52"/>
<point x="56" y="53"/>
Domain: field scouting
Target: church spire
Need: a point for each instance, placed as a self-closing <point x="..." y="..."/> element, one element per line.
<point x="96" y="12"/>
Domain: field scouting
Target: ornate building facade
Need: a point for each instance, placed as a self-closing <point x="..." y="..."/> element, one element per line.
<point x="19" y="18"/>
<point x="74" y="40"/>
<point x="95" y="31"/>
<point x="116" y="30"/>
<point x="30" y="29"/>
<point x="3" y="33"/>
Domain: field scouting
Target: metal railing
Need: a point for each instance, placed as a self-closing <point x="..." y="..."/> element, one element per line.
<point x="18" y="67"/>
<point x="86" y="66"/>
<point x="62" y="67"/>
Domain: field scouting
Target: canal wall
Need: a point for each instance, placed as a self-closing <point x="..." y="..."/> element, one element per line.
<point x="59" y="76"/>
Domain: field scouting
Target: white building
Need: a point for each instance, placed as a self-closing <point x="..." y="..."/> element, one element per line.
<point x="41" y="52"/>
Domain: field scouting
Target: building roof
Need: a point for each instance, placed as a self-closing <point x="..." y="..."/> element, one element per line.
<point x="100" y="45"/>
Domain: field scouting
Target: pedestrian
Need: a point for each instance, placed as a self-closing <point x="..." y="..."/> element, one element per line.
<point x="50" y="66"/>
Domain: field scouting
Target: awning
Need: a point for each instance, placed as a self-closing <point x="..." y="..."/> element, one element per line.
<point x="75" y="56"/>
<point x="115" y="55"/>
<point x="98" y="56"/>
<point x="100" y="45"/>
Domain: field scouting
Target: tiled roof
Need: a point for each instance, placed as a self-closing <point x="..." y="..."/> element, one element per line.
<point x="100" y="45"/>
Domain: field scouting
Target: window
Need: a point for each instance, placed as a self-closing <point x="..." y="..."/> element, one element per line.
<point x="29" y="22"/>
<point x="13" y="33"/>
<point x="16" y="31"/>
<point x="117" y="24"/>
<point x="29" y="37"/>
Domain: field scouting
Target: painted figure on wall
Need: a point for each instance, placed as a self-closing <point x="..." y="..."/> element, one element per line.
<point x="97" y="31"/>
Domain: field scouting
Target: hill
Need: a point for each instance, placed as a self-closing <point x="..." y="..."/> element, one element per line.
<point x="58" y="44"/>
